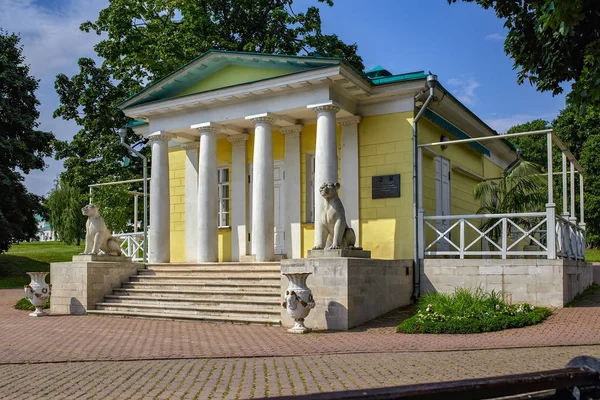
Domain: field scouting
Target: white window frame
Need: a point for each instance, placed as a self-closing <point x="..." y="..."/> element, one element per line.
<point x="310" y="188"/>
<point x="224" y="210"/>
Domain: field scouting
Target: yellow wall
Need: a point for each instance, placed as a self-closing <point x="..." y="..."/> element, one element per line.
<point x="177" y="193"/>
<point x="233" y="75"/>
<point x="385" y="147"/>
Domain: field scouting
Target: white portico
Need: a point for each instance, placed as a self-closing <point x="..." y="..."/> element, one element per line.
<point x="246" y="197"/>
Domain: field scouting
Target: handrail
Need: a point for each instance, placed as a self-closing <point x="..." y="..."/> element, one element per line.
<point x="483" y="216"/>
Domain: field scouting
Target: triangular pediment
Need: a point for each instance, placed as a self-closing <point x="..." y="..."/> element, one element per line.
<point x="221" y="69"/>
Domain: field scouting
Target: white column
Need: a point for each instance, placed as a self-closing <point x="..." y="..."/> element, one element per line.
<point x="159" y="249"/>
<point x="191" y="200"/>
<point x="263" y="223"/>
<point x="293" y="227"/>
<point x="349" y="184"/>
<point x="208" y="215"/>
<point x="238" y="196"/>
<point x="565" y="195"/>
<point x="581" y="210"/>
<point x="326" y="160"/>
<point x="573" y="217"/>
<point x="550" y="206"/>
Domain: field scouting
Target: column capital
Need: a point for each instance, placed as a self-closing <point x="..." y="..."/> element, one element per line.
<point x="291" y="131"/>
<point x="190" y="145"/>
<point x="207" y="127"/>
<point x="264" y="117"/>
<point x="329" y="106"/>
<point x="160" y="136"/>
<point x="349" y="121"/>
<point x="241" y="138"/>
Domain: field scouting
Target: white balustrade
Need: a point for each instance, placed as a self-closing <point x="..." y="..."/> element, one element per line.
<point x="132" y="244"/>
<point x="505" y="237"/>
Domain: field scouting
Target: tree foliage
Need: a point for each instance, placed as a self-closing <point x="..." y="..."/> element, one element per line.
<point x="522" y="189"/>
<point x="64" y="209"/>
<point x="553" y="42"/>
<point x="22" y="146"/>
<point x="116" y="206"/>
<point x="581" y="134"/>
<point x="145" y="40"/>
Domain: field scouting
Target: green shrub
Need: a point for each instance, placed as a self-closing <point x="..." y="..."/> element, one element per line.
<point x="470" y="311"/>
<point x="25" y="304"/>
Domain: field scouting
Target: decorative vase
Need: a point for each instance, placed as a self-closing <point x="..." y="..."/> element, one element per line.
<point x="38" y="292"/>
<point x="298" y="301"/>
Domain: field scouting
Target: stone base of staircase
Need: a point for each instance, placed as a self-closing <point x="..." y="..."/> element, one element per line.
<point x="245" y="293"/>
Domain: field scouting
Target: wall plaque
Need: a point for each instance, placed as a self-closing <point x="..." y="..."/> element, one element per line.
<point x="385" y="186"/>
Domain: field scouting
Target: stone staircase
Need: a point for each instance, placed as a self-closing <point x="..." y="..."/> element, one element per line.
<point x="245" y="293"/>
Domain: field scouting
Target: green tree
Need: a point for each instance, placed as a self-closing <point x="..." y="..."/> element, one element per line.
<point x="145" y="40"/>
<point x="22" y="146"/>
<point x="116" y="206"/>
<point x="64" y="205"/>
<point x="522" y="189"/>
<point x="581" y="134"/>
<point x="553" y="42"/>
<point x="532" y="147"/>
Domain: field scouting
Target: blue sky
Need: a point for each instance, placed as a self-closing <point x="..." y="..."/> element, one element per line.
<point x="461" y="43"/>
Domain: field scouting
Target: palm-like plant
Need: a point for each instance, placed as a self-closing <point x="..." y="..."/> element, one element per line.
<point x="522" y="189"/>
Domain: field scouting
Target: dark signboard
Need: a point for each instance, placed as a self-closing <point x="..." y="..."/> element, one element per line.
<point x="385" y="186"/>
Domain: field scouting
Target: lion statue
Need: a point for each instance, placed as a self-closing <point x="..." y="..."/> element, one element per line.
<point x="98" y="239"/>
<point x="333" y="231"/>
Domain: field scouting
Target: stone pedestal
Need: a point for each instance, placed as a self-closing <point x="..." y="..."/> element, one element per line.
<point x="78" y="285"/>
<point x="351" y="253"/>
<point x="350" y="291"/>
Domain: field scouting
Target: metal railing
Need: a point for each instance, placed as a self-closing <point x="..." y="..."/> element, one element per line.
<point x="503" y="235"/>
<point x="132" y="245"/>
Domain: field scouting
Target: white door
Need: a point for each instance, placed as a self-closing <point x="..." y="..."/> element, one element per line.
<point x="442" y="199"/>
<point x="278" y="206"/>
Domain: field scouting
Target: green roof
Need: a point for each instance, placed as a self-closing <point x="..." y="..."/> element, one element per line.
<point x="137" y="122"/>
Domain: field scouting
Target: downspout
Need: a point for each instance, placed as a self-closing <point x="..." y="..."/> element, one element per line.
<point x="431" y="84"/>
<point x="123" y="134"/>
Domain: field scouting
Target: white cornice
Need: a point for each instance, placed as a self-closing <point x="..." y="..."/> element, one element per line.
<point x="268" y="87"/>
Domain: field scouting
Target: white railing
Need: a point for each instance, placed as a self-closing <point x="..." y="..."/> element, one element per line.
<point x="132" y="244"/>
<point x="504" y="235"/>
<point x="570" y="239"/>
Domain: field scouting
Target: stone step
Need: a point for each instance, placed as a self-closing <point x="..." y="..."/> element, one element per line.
<point x="194" y="286"/>
<point x="205" y="279"/>
<point x="240" y="265"/>
<point x="174" y="309"/>
<point x="211" y="267"/>
<point x="248" y="320"/>
<point x="253" y="303"/>
<point x="200" y="294"/>
<point x="211" y="273"/>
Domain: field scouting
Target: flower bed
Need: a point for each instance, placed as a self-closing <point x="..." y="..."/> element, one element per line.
<point x="470" y="311"/>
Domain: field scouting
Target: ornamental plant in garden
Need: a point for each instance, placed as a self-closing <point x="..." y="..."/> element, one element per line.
<point x="470" y="311"/>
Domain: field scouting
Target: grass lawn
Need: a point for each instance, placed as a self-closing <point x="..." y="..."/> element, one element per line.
<point x="592" y="255"/>
<point x="32" y="257"/>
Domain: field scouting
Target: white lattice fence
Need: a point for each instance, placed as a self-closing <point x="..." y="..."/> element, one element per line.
<point x="132" y="244"/>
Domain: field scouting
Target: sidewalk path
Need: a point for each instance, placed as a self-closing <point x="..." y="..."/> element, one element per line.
<point x="101" y="357"/>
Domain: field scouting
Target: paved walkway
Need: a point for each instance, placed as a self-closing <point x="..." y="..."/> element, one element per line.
<point x="103" y="357"/>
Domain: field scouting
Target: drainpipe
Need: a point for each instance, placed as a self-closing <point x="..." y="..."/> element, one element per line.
<point x="431" y="84"/>
<point x="123" y="134"/>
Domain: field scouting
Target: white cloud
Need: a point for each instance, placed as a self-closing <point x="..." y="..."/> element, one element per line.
<point x="501" y="124"/>
<point x="52" y="43"/>
<point x="495" y="37"/>
<point x="464" y="89"/>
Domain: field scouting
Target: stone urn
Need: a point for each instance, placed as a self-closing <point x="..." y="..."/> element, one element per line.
<point x="298" y="300"/>
<point x="38" y="292"/>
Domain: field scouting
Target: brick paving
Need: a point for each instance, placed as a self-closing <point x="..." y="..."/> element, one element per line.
<point x="100" y="357"/>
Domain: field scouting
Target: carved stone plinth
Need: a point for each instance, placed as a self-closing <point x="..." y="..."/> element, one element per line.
<point x="350" y="253"/>
<point x="100" y="258"/>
